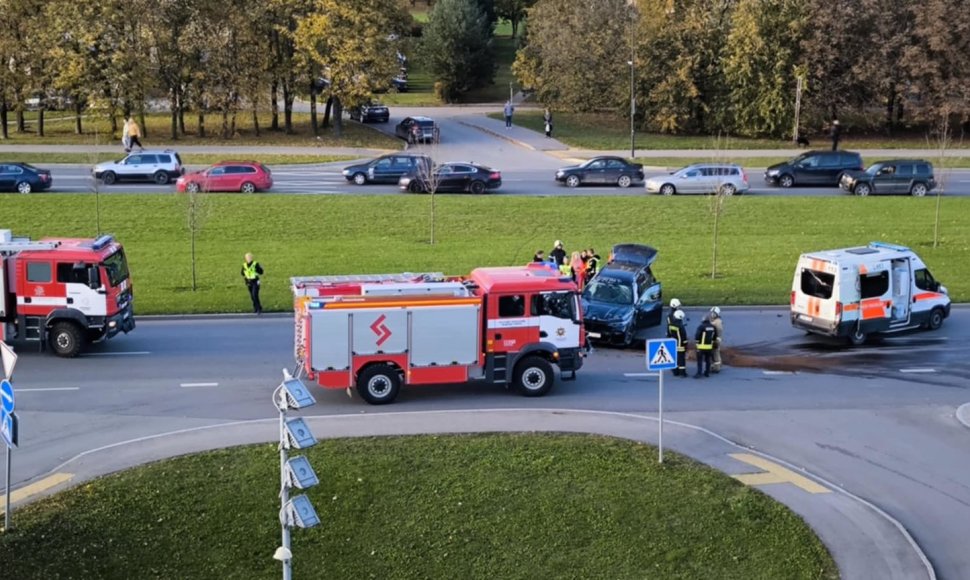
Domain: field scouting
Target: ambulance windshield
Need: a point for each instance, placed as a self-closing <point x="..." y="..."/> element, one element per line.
<point x="817" y="284"/>
<point x="117" y="267"/>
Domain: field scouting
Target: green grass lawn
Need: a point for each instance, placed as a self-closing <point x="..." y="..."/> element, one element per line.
<point x="59" y="129"/>
<point x="603" y="131"/>
<point x="760" y="238"/>
<point x="469" y="507"/>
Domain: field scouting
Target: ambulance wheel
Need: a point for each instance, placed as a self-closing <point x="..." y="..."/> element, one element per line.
<point x="379" y="384"/>
<point x="936" y="319"/>
<point x="857" y="337"/>
<point x="65" y="339"/>
<point x="533" y="376"/>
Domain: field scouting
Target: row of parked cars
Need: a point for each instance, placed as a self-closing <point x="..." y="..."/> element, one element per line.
<point x="417" y="173"/>
<point x="842" y="169"/>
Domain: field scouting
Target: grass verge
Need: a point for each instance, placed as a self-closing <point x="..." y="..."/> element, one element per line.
<point x="606" y="132"/>
<point x="477" y="506"/>
<point x="59" y="130"/>
<point x="760" y="238"/>
<point x="188" y="159"/>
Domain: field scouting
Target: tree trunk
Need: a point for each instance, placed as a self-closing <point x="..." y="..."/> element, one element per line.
<point x="201" y="124"/>
<point x="274" y="96"/>
<point x="288" y="98"/>
<point x="141" y="121"/>
<point x="338" y="116"/>
<point x="78" y="109"/>
<point x="21" y="121"/>
<point x="515" y="27"/>
<point x="890" y="111"/>
<point x="40" y="121"/>
<point x="225" y="122"/>
<point x="114" y="123"/>
<point x="256" y="117"/>
<point x="4" y="132"/>
<point x="232" y="124"/>
<point x="182" y="112"/>
<point x="313" y="111"/>
<point x="326" y="112"/>
<point x="173" y="108"/>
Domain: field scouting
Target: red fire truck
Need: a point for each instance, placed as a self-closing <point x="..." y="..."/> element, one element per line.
<point x="63" y="292"/>
<point x="505" y="326"/>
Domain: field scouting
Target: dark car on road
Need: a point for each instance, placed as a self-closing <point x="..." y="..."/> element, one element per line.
<point x="370" y="113"/>
<point x="902" y="176"/>
<point x="387" y="168"/>
<point x="623" y="298"/>
<point x="24" y="178"/>
<point x="453" y="177"/>
<point x="814" y="168"/>
<point x="601" y="171"/>
<point x="417" y="130"/>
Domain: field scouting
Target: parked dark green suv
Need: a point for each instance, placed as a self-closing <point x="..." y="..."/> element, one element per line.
<point x="901" y="176"/>
<point x="814" y="168"/>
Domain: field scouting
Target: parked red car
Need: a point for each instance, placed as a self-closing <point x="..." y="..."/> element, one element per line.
<point x="244" y="176"/>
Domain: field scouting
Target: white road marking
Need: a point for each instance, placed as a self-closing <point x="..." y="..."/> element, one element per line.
<point x="639" y="374"/>
<point x="118" y="353"/>
<point x="778" y="372"/>
<point x="193" y="385"/>
<point x="917" y="370"/>
<point x="49" y="389"/>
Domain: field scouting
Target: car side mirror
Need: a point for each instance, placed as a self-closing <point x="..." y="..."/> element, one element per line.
<point x="94" y="278"/>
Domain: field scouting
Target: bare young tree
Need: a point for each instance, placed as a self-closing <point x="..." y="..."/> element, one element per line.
<point x="197" y="207"/>
<point x="722" y="190"/>
<point x="943" y="142"/>
<point x="429" y="179"/>
<point x="95" y="184"/>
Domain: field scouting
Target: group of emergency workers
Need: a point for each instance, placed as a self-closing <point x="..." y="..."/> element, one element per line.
<point x="707" y="339"/>
<point x="581" y="266"/>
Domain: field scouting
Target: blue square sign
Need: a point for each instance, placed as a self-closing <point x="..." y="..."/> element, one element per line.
<point x="661" y="354"/>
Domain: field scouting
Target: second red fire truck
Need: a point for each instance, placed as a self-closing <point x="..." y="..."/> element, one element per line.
<point x="507" y="326"/>
<point x="63" y="292"/>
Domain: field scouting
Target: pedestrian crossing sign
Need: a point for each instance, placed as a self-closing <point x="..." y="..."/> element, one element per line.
<point x="661" y="354"/>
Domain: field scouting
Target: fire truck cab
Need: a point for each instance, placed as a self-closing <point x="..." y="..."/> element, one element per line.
<point x="507" y="326"/>
<point x="64" y="293"/>
<point x="855" y="293"/>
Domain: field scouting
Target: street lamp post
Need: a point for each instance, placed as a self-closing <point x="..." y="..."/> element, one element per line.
<point x="633" y="113"/>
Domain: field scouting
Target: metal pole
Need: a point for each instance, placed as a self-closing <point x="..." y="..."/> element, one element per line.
<point x="798" y="106"/>
<point x="511" y="96"/>
<point x="660" y="408"/>
<point x="6" y="512"/>
<point x="284" y="492"/>
<point x="633" y="113"/>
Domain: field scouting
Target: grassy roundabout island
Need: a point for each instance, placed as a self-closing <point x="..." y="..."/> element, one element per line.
<point x="482" y="506"/>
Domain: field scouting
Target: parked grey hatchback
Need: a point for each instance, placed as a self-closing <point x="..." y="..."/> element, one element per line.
<point x="896" y="176"/>
<point x="704" y="178"/>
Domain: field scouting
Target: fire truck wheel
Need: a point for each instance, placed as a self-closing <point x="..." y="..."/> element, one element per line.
<point x="65" y="339"/>
<point x="379" y="384"/>
<point x="534" y="376"/>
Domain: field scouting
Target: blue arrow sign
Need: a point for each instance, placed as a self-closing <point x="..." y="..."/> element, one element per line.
<point x="661" y="354"/>
<point x="8" y="429"/>
<point x="6" y="396"/>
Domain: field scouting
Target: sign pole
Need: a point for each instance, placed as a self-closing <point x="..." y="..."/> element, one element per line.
<point x="660" y="411"/>
<point x="6" y="501"/>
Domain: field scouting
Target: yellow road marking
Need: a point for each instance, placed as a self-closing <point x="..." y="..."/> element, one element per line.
<point x="35" y="488"/>
<point x="774" y="473"/>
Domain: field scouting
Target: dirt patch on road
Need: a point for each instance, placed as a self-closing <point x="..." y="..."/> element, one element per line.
<point x="736" y="357"/>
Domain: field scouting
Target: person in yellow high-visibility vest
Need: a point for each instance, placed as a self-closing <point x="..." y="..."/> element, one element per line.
<point x="705" y="336"/>
<point x="251" y="271"/>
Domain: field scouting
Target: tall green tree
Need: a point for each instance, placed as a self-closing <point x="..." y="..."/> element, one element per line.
<point x="937" y="62"/>
<point x="457" y="47"/>
<point x="514" y="11"/>
<point x="833" y="45"/>
<point x="760" y="60"/>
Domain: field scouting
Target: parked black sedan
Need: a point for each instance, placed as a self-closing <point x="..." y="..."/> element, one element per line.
<point x="24" y="178"/>
<point x="370" y="113"/>
<point x="453" y="177"/>
<point x="601" y="171"/>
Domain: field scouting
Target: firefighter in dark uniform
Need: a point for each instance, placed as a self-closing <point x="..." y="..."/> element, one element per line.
<point x="674" y="307"/>
<point x="251" y="271"/>
<point x="677" y="331"/>
<point x="705" y="337"/>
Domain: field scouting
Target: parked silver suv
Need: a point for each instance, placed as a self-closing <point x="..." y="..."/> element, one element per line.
<point x="707" y="178"/>
<point x="157" y="166"/>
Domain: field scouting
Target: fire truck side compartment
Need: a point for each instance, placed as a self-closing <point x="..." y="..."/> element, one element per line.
<point x="330" y="347"/>
<point x="445" y="335"/>
<point x="379" y="331"/>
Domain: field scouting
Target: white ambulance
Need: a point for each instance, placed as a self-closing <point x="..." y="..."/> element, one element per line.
<point x="857" y="292"/>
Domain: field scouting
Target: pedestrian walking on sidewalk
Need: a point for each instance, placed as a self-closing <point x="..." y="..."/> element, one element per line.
<point x="547" y="120"/>
<point x="836" y="134"/>
<point x="134" y="133"/>
<point x="509" y="109"/>
<point x="251" y="271"/>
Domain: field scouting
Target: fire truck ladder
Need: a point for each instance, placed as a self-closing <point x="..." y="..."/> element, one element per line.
<point x="10" y="245"/>
<point x="401" y="278"/>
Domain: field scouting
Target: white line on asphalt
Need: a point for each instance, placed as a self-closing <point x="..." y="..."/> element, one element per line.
<point x="49" y="389"/>
<point x="917" y="370"/>
<point x="192" y="385"/>
<point x="778" y="372"/>
<point x="118" y="353"/>
<point x="639" y="374"/>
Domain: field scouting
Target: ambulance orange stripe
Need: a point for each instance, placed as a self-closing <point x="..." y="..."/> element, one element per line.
<point x="926" y="296"/>
<point x="850" y="308"/>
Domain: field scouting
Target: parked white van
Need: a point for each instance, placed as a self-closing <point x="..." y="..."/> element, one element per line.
<point x="858" y="292"/>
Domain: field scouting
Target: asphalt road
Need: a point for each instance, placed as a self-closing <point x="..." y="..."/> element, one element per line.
<point x="878" y="420"/>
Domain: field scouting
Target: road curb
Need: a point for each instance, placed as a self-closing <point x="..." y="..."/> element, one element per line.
<point x="895" y="559"/>
<point x="963" y="414"/>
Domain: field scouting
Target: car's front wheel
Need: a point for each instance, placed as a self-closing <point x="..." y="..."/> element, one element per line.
<point x="572" y="181"/>
<point x="193" y="187"/>
<point x="360" y="178"/>
<point x="786" y="181"/>
<point x="667" y="189"/>
<point x="108" y="177"/>
<point x="862" y="189"/>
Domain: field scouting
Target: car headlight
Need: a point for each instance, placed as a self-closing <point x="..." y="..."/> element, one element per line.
<point x="773" y="172"/>
<point x="346" y="172"/>
<point x="943" y="290"/>
<point x="560" y="173"/>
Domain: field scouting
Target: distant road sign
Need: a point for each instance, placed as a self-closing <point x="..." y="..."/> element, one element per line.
<point x="661" y="354"/>
<point x="6" y="396"/>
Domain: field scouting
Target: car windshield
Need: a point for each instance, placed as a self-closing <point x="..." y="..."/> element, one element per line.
<point x="117" y="267"/>
<point x="874" y="168"/>
<point x="800" y="158"/>
<point x="590" y="162"/>
<point x="609" y="291"/>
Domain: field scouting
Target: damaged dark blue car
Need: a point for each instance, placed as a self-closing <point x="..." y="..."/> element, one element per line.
<point x="624" y="298"/>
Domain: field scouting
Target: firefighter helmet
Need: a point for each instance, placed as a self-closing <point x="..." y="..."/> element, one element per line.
<point x="674" y="303"/>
